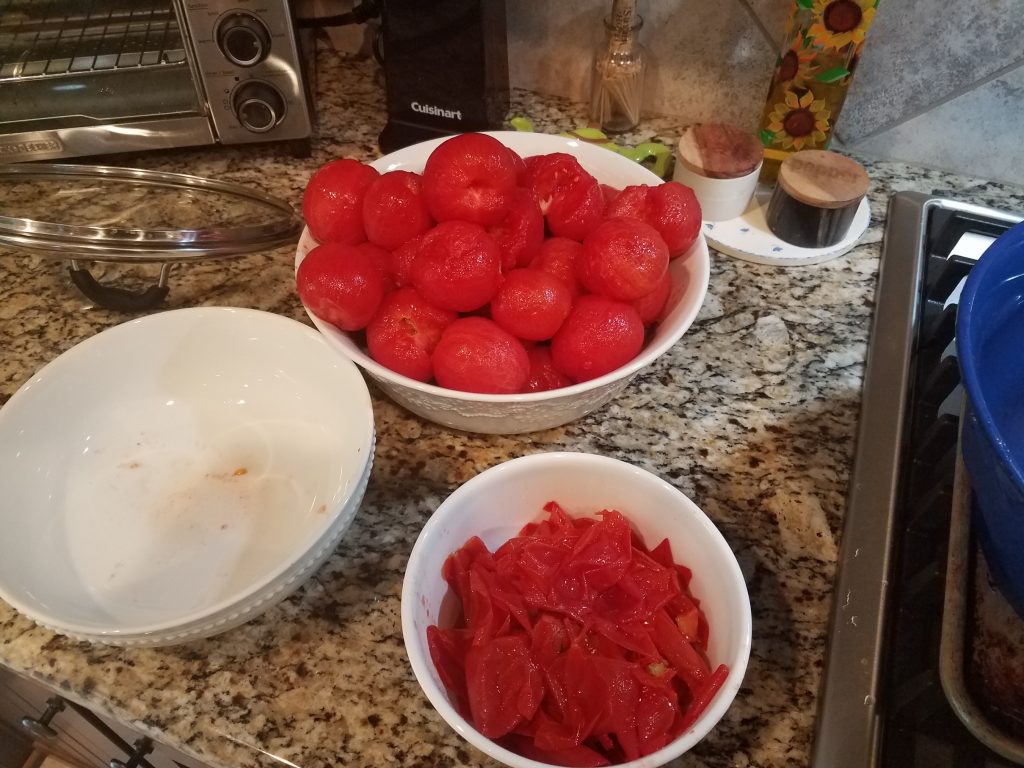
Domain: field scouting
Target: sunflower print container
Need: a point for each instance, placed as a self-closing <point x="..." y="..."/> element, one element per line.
<point x="819" y="54"/>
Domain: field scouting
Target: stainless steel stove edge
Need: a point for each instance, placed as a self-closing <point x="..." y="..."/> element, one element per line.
<point x="846" y="731"/>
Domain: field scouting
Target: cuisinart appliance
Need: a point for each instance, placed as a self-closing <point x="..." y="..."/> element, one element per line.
<point x="445" y="68"/>
<point x="106" y="76"/>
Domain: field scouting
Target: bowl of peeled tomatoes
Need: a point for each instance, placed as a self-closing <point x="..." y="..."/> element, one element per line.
<point x="500" y="282"/>
<point x="574" y="609"/>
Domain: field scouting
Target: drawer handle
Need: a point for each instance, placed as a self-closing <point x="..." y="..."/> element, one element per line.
<point x="40" y="728"/>
<point x="142" y="747"/>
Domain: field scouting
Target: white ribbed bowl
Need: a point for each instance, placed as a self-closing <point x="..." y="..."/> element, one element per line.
<point x="176" y="475"/>
<point x="511" y="414"/>
<point x="497" y="503"/>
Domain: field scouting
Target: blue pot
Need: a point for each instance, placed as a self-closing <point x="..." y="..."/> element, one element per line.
<point x="990" y="347"/>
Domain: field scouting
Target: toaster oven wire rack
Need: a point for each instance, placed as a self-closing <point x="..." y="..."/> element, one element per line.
<point x="55" y="38"/>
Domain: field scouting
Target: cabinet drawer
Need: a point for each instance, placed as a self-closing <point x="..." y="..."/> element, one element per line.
<point x="78" y="734"/>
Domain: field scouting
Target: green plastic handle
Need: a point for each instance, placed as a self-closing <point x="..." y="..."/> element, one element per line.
<point x="648" y="150"/>
<point x="661" y="154"/>
<point x="521" y="124"/>
<point x="658" y="153"/>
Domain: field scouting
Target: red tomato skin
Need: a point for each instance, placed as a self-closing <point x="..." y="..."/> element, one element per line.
<point x="456" y="266"/>
<point x="652" y="306"/>
<point x="332" y="203"/>
<point x="623" y="259"/>
<point x="570" y="198"/>
<point x="394" y="210"/>
<point x="689" y="664"/>
<point x="550" y="175"/>
<point x="384" y="261"/>
<point x="558" y="255"/>
<point x="629" y="203"/>
<point x="404" y="331"/>
<point x="476" y="355"/>
<point x="531" y="304"/>
<point x="671" y="208"/>
<point x="470" y="177"/>
<point x="520" y="234"/>
<point x="543" y="375"/>
<point x="342" y="284"/>
<point x="609" y="192"/>
<point x="656" y="711"/>
<point x="703" y="696"/>
<point x="504" y="685"/>
<point x="585" y="689"/>
<point x="676" y="214"/>
<point x="402" y="259"/>
<point x="448" y="653"/>
<point x="599" y="336"/>
<point x="577" y="211"/>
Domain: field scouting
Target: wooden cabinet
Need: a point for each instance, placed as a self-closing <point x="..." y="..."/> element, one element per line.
<point x="35" y="721"/>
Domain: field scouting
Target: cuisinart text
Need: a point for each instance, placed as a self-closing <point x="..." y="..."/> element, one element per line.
<point x="427" y="109"/>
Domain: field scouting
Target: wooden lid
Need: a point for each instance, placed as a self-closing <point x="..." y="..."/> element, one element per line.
<point x="719" y="151"/>
<point x="823" y="179"/>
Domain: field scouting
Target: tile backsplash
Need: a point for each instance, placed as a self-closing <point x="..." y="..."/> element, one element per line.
<point x="939" y="83"/>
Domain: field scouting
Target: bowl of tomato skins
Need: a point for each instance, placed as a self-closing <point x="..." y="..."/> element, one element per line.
<point x="573" y="609"/>
<point x="504" y="282"/>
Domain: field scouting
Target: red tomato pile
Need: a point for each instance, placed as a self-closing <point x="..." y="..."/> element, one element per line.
<point x="489" y="272"/>
<point x="577" y="645"/>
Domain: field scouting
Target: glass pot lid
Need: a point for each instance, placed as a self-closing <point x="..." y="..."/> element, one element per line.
<point x="101" y="213"/>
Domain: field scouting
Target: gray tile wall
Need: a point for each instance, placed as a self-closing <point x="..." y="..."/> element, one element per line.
<point x="940" y="83"/>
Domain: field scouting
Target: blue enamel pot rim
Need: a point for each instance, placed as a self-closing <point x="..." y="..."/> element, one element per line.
<point x="969" y="341"/>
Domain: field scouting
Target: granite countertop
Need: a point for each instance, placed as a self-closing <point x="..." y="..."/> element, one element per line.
<point x="753" y="415"/>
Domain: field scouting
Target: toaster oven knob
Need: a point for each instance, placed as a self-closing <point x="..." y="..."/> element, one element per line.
<point x="259" y="106"/>
<point x="243" y="38"/>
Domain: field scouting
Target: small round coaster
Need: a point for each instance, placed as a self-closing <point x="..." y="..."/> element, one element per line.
<point x="748" y="237"/>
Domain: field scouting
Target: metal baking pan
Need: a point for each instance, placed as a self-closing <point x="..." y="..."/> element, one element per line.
<point x="965" y="576"/>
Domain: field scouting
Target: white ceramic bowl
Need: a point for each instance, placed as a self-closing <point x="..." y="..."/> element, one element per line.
<point x="511" y="414"/>
<point x="495" y="504"/>
<point x="176" y="475"/>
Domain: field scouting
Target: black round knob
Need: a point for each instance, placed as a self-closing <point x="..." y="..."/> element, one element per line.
<point x="243" y="38"/>
<point x="258" y="105"/>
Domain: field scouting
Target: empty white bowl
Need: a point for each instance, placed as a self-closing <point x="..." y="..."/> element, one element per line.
<point x="176" y="475"/>
<point x="511" y="414"/>
<point x="496" y="504"/>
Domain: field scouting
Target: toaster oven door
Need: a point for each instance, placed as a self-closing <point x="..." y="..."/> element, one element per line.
<point x="95" y="77"/>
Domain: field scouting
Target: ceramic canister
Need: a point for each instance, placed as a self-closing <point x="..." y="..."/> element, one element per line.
<point x="816" y="198"/>
<point x="721" y="164"/>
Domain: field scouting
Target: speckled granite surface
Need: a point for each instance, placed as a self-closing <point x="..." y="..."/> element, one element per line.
<point x="752" y="414"/>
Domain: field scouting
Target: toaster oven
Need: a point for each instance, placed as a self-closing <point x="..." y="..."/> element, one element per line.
<point x="90" y="77"/>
